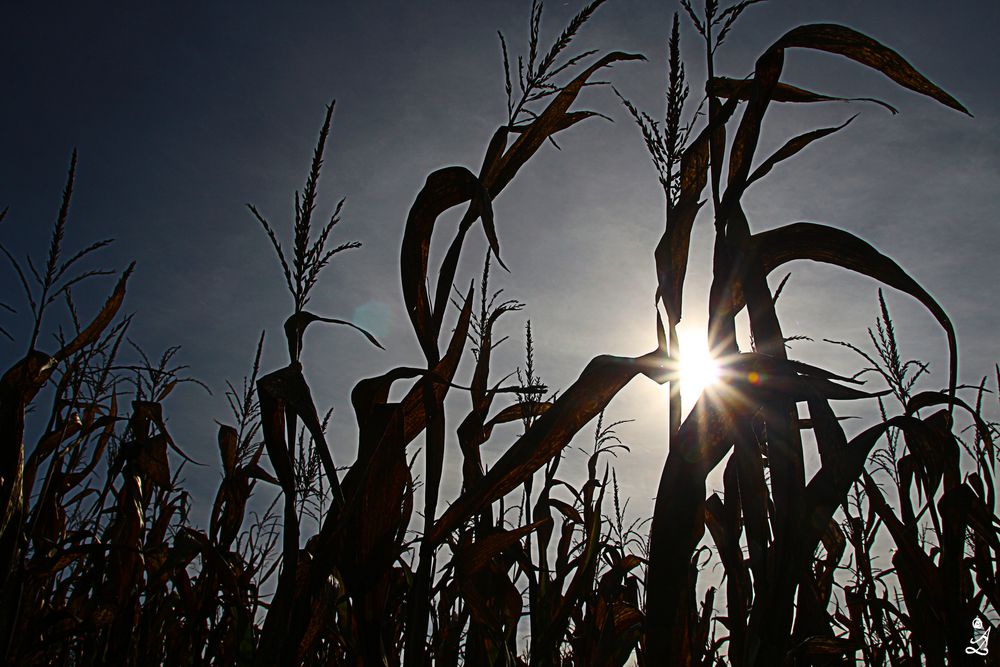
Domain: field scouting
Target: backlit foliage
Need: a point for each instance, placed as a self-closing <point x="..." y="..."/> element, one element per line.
<point x="353" y="564"/>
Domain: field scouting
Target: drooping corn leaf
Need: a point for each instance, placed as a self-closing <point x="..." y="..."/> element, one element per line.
<point x="100" y="322"/>
<point x="296" y="324"/>
<point x="475" y="556"/>
<point x="821" y="243"/>
<point x="861" y="48"/>
<point x="444" y="189"/>
<point x="727" y="88"/>
<point x="566" y="510"/>
<point x="753" y="373"/>
<point x="603" y="377"/>
<point x="792" y="147"/>
<point x="933" y="449"/>
<point x="927" y="399"/>
<point x="824" y="37"/>
<point x="494" y="151"/>
<point x="551" y="120"/>
<point x="371" y="393"/>
<point x="286" y="390"/>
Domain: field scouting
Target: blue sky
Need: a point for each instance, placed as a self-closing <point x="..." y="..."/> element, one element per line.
<point x="184" y="112"/>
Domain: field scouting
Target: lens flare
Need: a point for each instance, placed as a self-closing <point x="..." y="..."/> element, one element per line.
<point x="698" y="370"/>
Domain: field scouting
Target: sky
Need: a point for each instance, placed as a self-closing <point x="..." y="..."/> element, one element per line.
<point x="184" y="112"/>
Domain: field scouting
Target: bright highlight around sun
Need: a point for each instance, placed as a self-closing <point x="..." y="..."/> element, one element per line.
<point x="698" y="369"/>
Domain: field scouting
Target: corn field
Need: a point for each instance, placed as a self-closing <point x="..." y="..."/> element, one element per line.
<point x="886" y="555"/>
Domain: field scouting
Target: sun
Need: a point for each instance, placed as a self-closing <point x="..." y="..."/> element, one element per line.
<point x="699" y="369"/>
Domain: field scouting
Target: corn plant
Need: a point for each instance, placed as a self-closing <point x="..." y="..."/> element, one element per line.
<point x="778" y="591"/>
